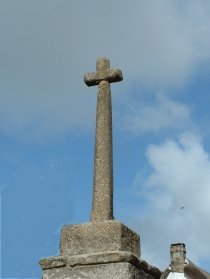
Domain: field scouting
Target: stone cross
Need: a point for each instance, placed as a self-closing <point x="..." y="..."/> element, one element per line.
<point x="102" y="204"/>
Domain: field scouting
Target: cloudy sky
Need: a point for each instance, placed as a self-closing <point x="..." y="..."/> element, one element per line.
<point x="161" y="123"/>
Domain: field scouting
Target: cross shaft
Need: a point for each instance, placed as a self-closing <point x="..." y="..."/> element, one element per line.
<point x="102" y="203"/>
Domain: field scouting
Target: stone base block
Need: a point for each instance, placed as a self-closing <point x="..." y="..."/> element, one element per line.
<point x="115" y="265"/>
<point x="112" y="264"/>
<point x="96" y="237"/>
<point x="102" y="271"/>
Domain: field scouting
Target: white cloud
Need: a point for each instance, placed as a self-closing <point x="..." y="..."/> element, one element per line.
<point x="164" y="114"/>
<point x="167" y="41"/>
<point x="177" y="193"/>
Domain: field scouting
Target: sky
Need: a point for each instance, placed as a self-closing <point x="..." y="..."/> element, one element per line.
<point x="161" y="124"/>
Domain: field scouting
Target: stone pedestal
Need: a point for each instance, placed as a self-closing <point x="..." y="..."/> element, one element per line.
<point x="115" y="265"/>
<point x="110" y="270"/>
<point x="96" y="237"/>
<point x="97" y="250"/>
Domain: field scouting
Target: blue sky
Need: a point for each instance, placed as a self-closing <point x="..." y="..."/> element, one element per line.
<point x="161" y="124"/>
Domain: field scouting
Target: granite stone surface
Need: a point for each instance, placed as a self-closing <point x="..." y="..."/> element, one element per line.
<point x="91" y="259"/>
<point x="73" y="265"/>
<point x="102" y="203"/>
<point x="96" y="237"/>
<point x="102" y="271"/>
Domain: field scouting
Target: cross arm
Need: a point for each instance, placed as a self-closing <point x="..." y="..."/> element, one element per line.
<point x="113" y="75"/>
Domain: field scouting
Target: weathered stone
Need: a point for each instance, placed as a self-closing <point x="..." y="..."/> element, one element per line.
<point x="64" y="273"/>
<point x="53" y="262"/>
<point x="77" y="261"/>
<point x="102" y="204"/>
<point x="96" y="237"/>
<point x="102" y="258"/>
<point x="101" y="271"/>
<point x="90" y="259"/>
<point x="103" y="72"/>
<point x="94" y="78"/>
<point x="72" y="266"/>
